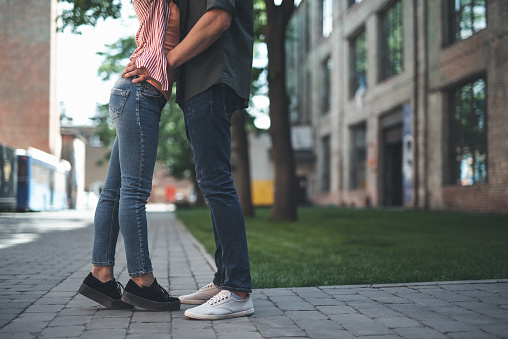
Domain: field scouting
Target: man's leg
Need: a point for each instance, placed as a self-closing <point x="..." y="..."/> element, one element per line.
<point x="208" y="122"/>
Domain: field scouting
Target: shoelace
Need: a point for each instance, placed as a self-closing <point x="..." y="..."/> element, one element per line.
<point x="118" y="286"/>
<point x="162" y="292"/>
<point x="218" y="297"/>
<point x="207" y="286"/>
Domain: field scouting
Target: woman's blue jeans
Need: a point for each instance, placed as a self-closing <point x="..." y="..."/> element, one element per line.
<point x="208" y="121"/>
<point x="135" y="110"/>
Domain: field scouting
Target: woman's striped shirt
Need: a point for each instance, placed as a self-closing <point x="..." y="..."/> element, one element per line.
<point x="153" y="16"/>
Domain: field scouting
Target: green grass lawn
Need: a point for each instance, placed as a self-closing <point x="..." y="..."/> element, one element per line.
<point x="330" y="246"/>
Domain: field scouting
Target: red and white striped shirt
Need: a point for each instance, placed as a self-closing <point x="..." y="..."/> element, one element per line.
<point x="153" y="16"/>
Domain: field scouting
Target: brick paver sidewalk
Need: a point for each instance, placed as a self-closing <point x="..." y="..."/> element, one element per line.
<point x="45" y="258"/>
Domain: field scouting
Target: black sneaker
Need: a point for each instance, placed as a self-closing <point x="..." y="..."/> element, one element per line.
<point x="107" y="294"/>
<point x="153" y="297"/>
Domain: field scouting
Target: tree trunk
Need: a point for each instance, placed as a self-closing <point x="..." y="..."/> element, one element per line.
<point x="242" y="164"/>
<point x="285" y="205"/>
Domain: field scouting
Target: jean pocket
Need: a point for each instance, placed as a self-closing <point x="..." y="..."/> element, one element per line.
<point x="117" y="101"/>
<point x="150" y="91"/>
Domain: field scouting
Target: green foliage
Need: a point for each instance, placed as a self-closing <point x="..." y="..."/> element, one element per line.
<point x="113" y="57"/>
<point x="331" y="246"/>
<point x="174" y="149"/>
<point x="259" y="20"/>
<point x="88" y="12"/>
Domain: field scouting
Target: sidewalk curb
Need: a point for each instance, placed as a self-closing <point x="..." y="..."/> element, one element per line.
<point x="197" y="244"/>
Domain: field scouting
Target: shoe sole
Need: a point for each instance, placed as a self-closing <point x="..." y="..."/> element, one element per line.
<point x="193" y="302"/>
<point x="104" y="300"/>
<point x="218" y="316"/>
<point x="149" y="304"/>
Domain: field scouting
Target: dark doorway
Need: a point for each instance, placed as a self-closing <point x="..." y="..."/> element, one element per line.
<point x="301" y="191"/>
<point x="392" y="169"/>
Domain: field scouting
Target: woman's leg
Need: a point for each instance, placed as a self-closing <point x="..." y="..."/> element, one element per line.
<point x="136" y="110"/>
<point x="106" y="221"/>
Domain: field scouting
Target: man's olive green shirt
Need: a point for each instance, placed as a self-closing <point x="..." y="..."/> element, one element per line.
<point x="228" y="60"/>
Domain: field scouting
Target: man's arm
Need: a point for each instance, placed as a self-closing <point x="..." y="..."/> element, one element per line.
<point x="205" y="32"/>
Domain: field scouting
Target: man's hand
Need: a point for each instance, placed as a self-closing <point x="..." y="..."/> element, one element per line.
<point x="131" y="70"/>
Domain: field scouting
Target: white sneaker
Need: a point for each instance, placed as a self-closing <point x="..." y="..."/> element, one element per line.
<point x="222" y="306"/>
<point x="201" y="296"/>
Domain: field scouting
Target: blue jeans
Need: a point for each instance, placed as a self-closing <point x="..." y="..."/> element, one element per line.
<point x="135" y="110"/>
<point x="208" y="121"/>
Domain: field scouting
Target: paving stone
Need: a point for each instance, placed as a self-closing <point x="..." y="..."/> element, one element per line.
<point x="105" y="313"/>
<point x="150" y="317"/>
<point x="17" y="326"/>
<point x="62" y="332"/>
<point x="194" y="333"/>
<point x="185" y="322"/>
<point x="306" y="315"/>
<point x="70" y="320"/>
<point x="471" y="335"/>
<point x="106" y="323"/>
<point x="445" y="326"/>
<point x="149" y="328"/>
<point x="17" y="336"/>
<point x="239" y="334"/>
<point x="379" y="312"/>
<point x="296" y="306"/>
<point x="359" y="324"/>
<point x="221" y="327"/>
<point x="107" y="333"/>
<point x="264" y="312"/>
<point x="419" y="333"/>
<point x="326" y="302"/>
<point x="44" y="308"/>
<point x="29" y="317"/>
<point x="142" y="336"/>
<point x="336" y="309"/>
<point x="78" y="311"/>
<point x="476" y="319"/>
<point x="317" y="333"/>
<point x="277" y="326"/>
<point x="499" y="329"/>
<point x="396" y="322"/>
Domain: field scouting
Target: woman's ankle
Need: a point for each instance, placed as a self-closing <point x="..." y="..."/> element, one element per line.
<point x="144" y="280"/>
<point x="103" y="273"/>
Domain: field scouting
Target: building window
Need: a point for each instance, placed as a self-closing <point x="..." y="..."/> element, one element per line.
<point x="465" y="18"/>
<point x="326" y="98"/>
<point x="325" y="170"/>
<point x="391" y="41"/>
<point x="468" y="134"/>
<point x="358" y="168"/>
<point x="358" y="64"/>
<point x="352" y="2"/>
<point x="327" y="17"/>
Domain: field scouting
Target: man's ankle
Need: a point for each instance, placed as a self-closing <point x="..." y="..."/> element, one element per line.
<point x="241" y="294"/>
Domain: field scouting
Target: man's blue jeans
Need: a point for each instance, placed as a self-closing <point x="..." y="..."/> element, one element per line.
<point x="208" y="121"/>
<point x="135" y="110"/>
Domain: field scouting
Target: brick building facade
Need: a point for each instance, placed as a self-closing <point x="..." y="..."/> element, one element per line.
<point x="29" y="114"/>
<point x="406" y="101"/>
